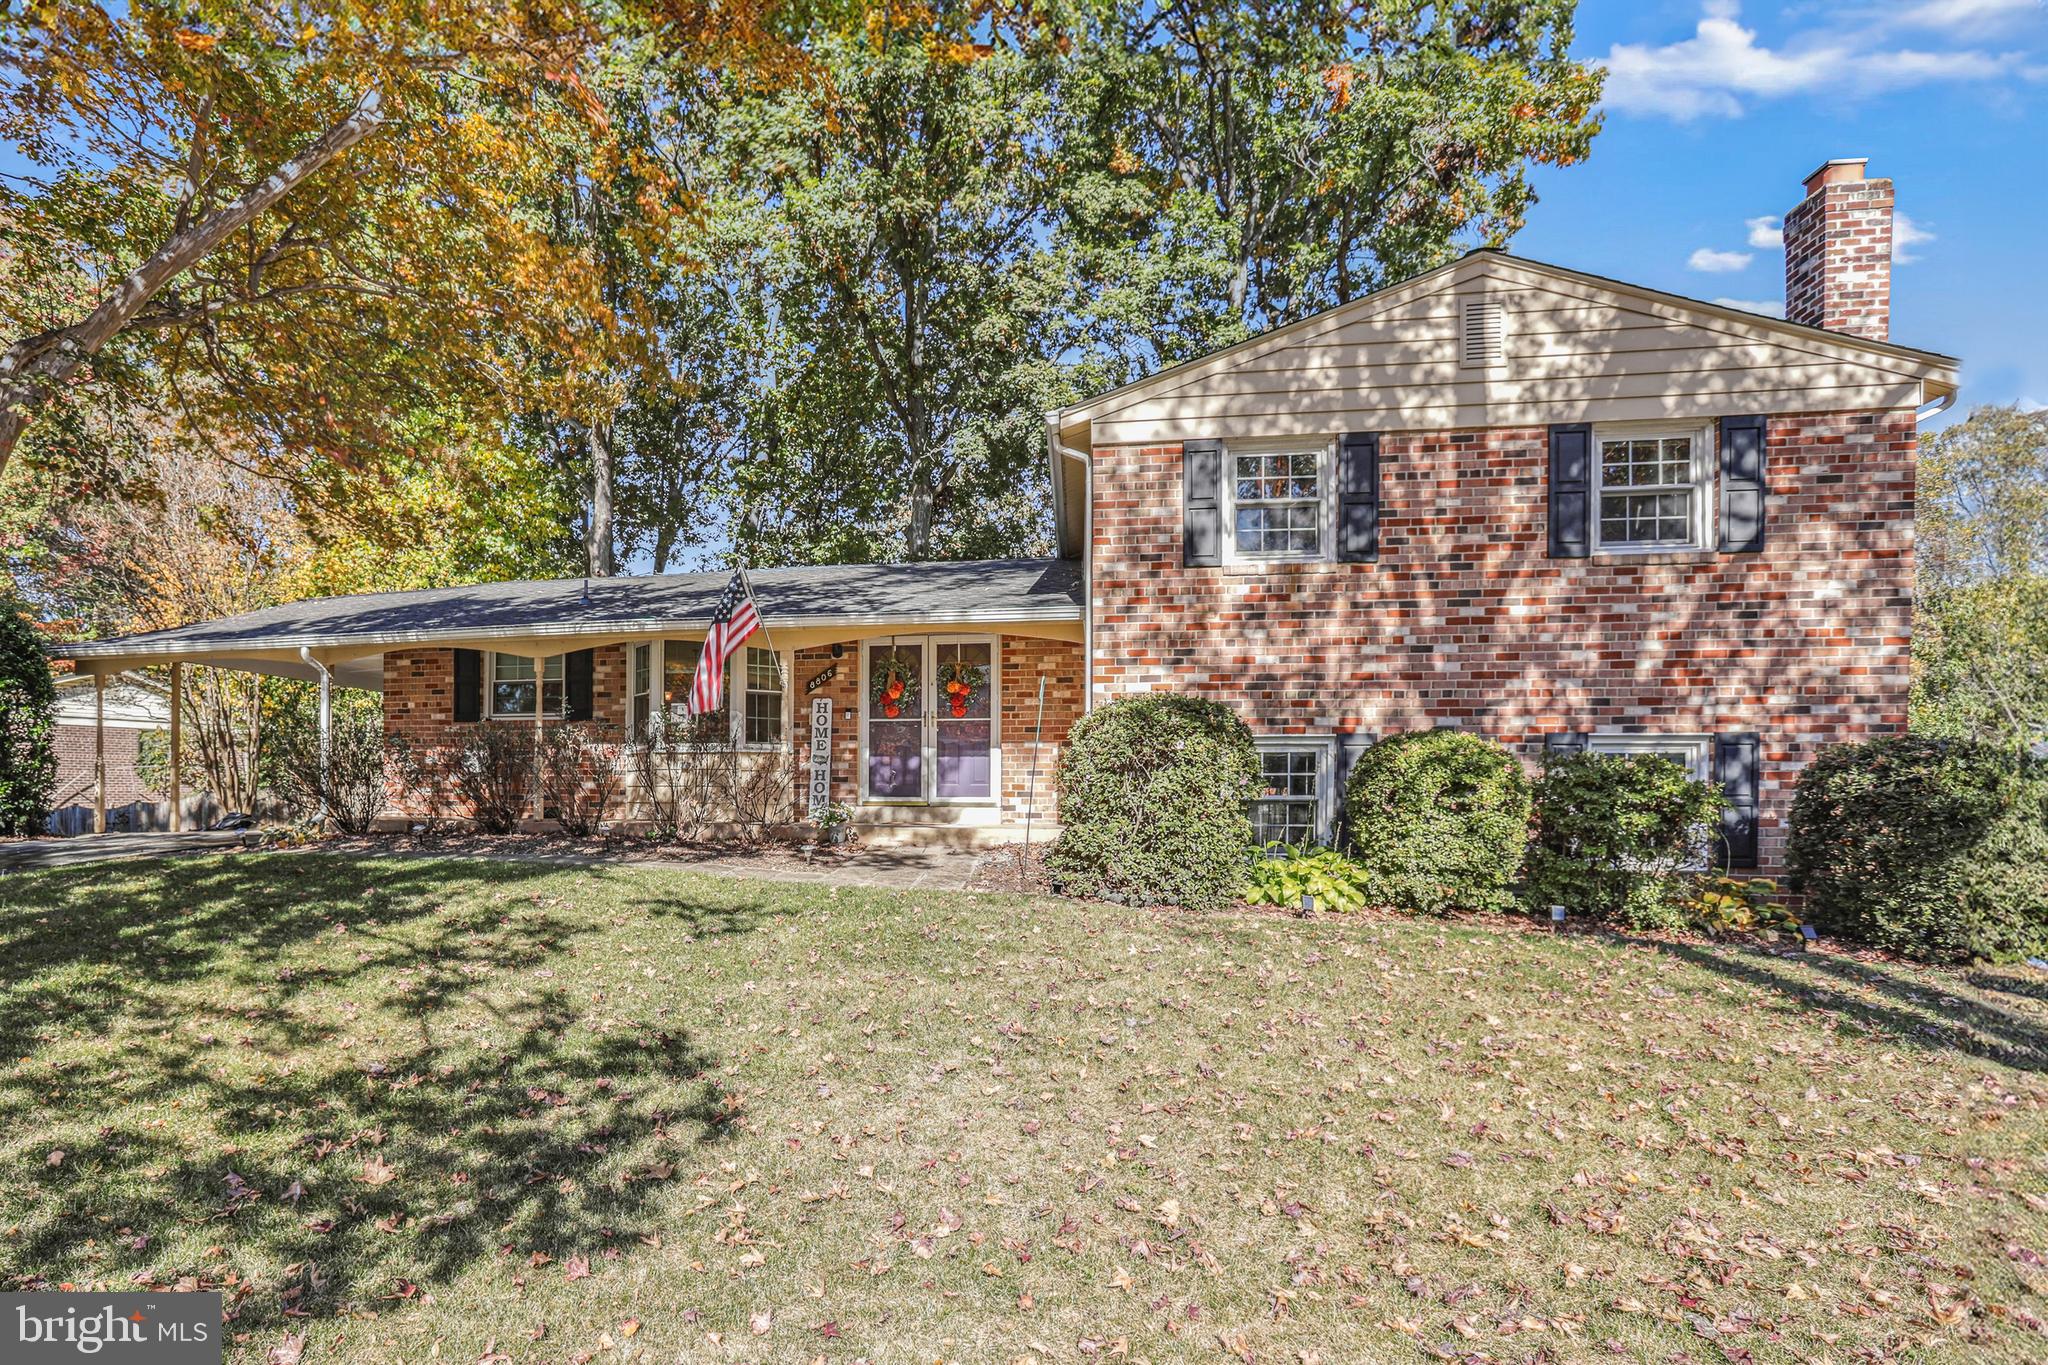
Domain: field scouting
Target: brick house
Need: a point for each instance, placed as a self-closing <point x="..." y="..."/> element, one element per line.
<point x="1524" y="500"/>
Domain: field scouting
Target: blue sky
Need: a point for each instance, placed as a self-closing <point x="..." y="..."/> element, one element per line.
<point x="1717" y="110"/>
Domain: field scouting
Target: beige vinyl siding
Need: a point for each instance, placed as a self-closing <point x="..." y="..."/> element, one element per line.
<point x="1574" y="350"/>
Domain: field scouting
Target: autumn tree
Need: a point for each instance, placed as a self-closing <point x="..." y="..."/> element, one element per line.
<point x="1981" y="620"/>
<point x="308" y="216"/>
<point x="1260" y="160"/>
<point x="903" y="211"/>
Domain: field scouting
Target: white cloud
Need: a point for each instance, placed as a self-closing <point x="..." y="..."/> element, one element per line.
<point x="1964" y="14"/>
<point x="1718" y="262"/>
<point x="1722" y="67"/>
<point x="1766" y="233"/>
<point x="1907" y="234"/>
<point x="1770" y="308"/>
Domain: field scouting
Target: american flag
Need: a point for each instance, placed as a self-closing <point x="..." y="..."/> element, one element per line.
<point x="733" y="619"/>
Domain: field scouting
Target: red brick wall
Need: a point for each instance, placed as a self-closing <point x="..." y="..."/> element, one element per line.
<point x="1466" y="620"/>
<point x="419" y="707"/>
<point x="75" y="777"/>
<point x="1024" y="660"/>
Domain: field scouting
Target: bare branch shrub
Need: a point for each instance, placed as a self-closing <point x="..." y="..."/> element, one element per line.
<point x="580" y="765"/>
<point x="493" y="772"/>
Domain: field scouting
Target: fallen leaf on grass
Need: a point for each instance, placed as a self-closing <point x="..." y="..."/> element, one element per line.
<point x="378" y="1171"/>
<point x="287" y="1352"/>
<point x="760" y="1322"/>
<point x="576" y="1268"/>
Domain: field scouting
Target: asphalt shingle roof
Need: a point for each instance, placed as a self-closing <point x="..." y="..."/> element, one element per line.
<point x="972" y="592"/>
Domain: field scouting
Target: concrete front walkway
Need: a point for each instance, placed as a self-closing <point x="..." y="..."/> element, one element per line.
<point x="102" y="848"/>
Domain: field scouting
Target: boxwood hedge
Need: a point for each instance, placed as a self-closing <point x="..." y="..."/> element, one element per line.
<point x="1153" y="790"/>
<point x="1934" y="848"/>
<point x="1439" y="820"/>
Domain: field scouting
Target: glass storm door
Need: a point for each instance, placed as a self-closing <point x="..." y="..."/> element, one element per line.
<point x="929" y="712"/>
<point x="895" y="717"/>
<point x="962" y="704"/>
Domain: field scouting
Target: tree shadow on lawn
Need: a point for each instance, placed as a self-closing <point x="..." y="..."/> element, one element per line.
<point x="338" y="1171"/>
<point x="1912" y="1013"/>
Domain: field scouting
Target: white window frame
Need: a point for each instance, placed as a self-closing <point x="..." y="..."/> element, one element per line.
<point x="735" y="688"/>
<point x="1325" y="750"/>
<point x="1699" y="749"/>
<point x="1325" y="451"/>
<point x="558" y="662"/>
<point x="1699" y="763"/>
<point x="1701" y="486"/>
<point x="927" y="647"/>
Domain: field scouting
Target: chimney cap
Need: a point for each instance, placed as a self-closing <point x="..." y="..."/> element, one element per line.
<point x="1840" y="170"/>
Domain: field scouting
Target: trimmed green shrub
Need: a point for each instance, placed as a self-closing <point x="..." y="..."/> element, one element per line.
<point x="1439" y="820"/>
<point x="1286" y="874"/>
<point x="1153" y="790"/>
<point x="1934" y="848"/>
<point x="28" y="703"/>
<point x="1614" y="833"/>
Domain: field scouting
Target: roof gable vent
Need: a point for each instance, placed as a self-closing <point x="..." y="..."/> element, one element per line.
<point x="1484" y="335"/>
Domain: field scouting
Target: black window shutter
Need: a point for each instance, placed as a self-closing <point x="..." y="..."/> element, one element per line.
<point x="469" y="684"/>
<point x="1565" y="742"/>
<point x="1349" y="748"/>
<point x="1742" y="484"/>
<point x="577" y="668"/>
<point x="1737" y="763"/>
<point x="1571" y="490"/>
<point x="1202" y="477"/>
<point x="1358" y="497"/>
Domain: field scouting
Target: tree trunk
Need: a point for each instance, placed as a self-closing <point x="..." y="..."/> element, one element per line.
<point x="35" y="367"/>
<point x="602" y="531"/>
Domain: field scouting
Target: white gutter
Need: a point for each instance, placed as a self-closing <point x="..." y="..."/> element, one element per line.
<point x="1936" y="408"/>
<point x="326" y="728"/>
<point x="1057" y="448"/>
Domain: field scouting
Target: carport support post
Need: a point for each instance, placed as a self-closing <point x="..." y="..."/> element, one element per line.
<point x="326" y="741"/>
<point x="99" y="753"/>
<point x="177" y="747"/>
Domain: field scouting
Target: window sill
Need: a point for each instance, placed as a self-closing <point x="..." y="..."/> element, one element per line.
<point x="1676" y="554"/>
<point x="1247" y="567"/>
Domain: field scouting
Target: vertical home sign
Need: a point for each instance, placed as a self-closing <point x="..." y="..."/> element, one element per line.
<point x="821" y="756"/>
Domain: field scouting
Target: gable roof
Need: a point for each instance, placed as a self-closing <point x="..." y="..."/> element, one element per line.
<point x="1486" y="265"/>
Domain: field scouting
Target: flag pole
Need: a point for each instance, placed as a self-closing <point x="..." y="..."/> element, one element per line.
<point x="747" y="582"/>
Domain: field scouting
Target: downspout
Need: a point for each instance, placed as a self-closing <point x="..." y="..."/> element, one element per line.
<point x="1059" y="451"/>
<point x="326" y="729"/>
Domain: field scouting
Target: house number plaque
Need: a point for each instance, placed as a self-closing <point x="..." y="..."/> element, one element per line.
<point x="831" y="672"/>
<point x="821" y="756"/>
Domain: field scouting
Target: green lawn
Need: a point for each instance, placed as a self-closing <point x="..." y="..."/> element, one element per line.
<point x="463" y="1111"/>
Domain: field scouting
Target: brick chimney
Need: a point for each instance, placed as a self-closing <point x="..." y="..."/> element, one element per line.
<point x="1838" y="252"/>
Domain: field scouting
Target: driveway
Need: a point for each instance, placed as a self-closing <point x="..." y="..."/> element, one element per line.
<point x="102" y="848"/>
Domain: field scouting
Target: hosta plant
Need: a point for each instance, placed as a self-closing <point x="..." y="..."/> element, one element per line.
<point x="1283" y="875"/>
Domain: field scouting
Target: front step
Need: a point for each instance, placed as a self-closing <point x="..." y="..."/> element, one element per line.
<point x="900" y="833"/>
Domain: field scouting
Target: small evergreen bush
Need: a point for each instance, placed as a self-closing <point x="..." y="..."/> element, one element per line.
<point x="1439" y="820"/>
<point x="1934" y="848"/>
<point x="28" y="703"/>
<point x="1153" y="790"/>
<point x="1614" y="832"/>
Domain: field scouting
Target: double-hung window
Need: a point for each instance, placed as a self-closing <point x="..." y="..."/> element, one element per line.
<point x="762" y="707"/>
<point x="1652" y="489"/>
<point x="512" y="686"/>
<point x="1279" y="501"/>
<point x="661" y="673"/>
<point x="1694" y="753"/>
<point x="1293" y="805"/>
